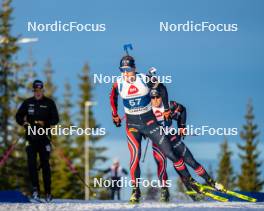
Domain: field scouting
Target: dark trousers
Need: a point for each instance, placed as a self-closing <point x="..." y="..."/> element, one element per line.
<point x="146" y="125"/>
<point x="113" y="191"/>
<point x="42" y="149"/>
<point x="182" y="150"/>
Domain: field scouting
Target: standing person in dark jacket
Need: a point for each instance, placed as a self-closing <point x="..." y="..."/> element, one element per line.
<point x="116" y="172"/>
<point x="38" y="112"/>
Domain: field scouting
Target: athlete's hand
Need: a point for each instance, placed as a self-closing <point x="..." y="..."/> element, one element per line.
<point x="116" y="120"/>
<point x="40" y="123"/>
<point x="182" y="132"/>
<point x="26" y="125"/>
<point x="166" y="115"/>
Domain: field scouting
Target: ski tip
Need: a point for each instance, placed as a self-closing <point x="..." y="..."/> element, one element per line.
<point x="253" y="200"/>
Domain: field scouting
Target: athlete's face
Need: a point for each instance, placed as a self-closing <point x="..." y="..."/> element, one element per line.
<point x="116" y="164"/>
<point x="38" y="93"/>
<point x="156" y="101"/>
<point x="130" y="76"/>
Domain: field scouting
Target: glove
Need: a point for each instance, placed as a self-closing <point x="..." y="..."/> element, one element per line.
<point x="182" y="131"/>
<point x="116" y="120"/>
<point x="26" y="125"/>
<point x="40" y="123"/>
<point x="166" y="115"/>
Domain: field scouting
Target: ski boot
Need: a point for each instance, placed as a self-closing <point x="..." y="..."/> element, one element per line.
<point x="35" y="195"/>
<point x="135" y="196"/>
<point x="215" y="185"/>
<point x="48" y="198"/>
<point x="165" y="194"/>
<point x="191" y="185"/>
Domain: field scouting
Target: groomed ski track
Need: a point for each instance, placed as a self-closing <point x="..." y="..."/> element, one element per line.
<point x="81" y="205"/>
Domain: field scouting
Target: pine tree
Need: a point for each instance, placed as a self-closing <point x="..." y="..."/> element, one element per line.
<point x="67" y="185"/>
<point x="96" y="157"/>
<point x="249" y="178"/>
<point x="225" y="173"/>
<point x="50" y="88"/>
<point x="9" y="86"/>
<point x="19" y="164"/>
<point x="30" y="74"/>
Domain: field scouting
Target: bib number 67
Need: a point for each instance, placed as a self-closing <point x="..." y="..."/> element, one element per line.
<point x="134" y="102"/>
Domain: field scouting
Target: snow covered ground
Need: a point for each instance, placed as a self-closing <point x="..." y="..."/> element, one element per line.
<point x="76" y="205"/>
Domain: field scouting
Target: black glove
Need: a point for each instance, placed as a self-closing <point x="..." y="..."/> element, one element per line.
<point x="26" y="125"/>
<point x="116" y="120"/>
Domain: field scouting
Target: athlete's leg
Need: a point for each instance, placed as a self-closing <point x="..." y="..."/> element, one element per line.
<point x="161" y="161"/>
<point x="118" y="194"/>
<point x="44" y="156"/>
<point x="182" y="150"/>
<point x="134" y="145"/>
<point x="112" y="193"/>
<point x="154" y="133"/>
<point x="165" y="146"/>
<point x="199" y="169"/>
<point x="32" y="166"/>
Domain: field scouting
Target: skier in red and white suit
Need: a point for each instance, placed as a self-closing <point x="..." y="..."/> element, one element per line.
<point x="134" y="89"/>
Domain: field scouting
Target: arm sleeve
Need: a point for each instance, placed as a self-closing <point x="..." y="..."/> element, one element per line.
<point x="114" y="99"/>
<point x="177" y="108"/>
<point x="21" y="113"/>
<point x="106" y="171"/>
<point x="54" y="114"/>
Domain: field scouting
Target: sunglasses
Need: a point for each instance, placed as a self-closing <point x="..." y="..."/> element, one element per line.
<point x="37" y="90"/>
<point x="126" y="69"/>
<point x="155" y="97"/>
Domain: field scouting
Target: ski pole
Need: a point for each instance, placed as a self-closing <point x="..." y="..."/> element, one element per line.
<point x="8" y="152"/>
<point x="71" y="166"/>
<point x="145" y="152"/>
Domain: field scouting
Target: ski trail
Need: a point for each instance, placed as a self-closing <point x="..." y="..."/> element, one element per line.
<point x="80" y="205"/>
